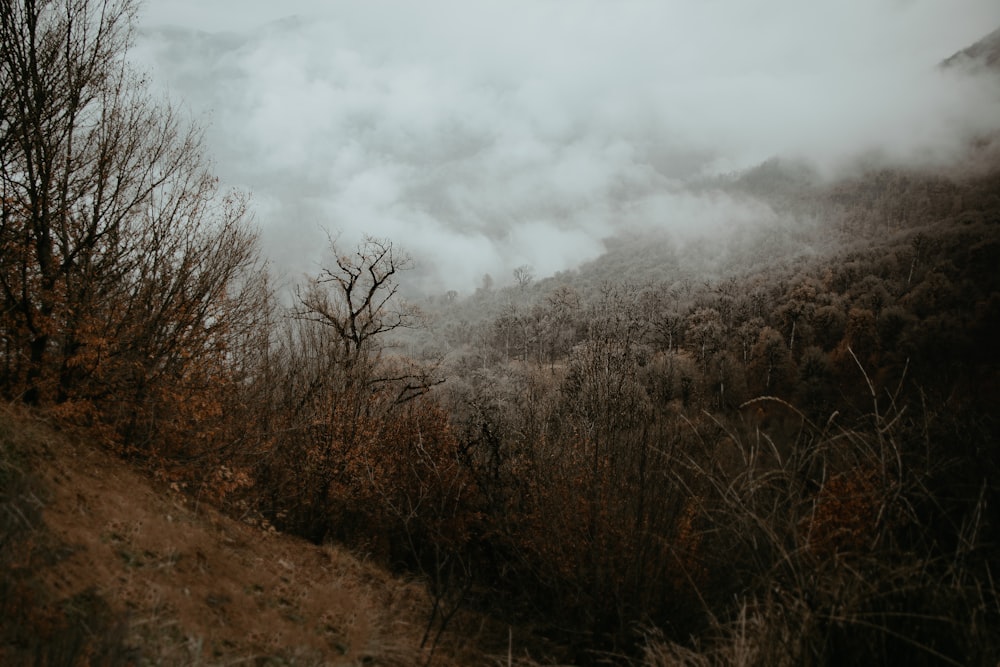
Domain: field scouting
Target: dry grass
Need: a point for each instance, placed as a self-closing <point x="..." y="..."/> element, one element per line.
<point x="836" y="553"/>
<point x="124" y="572"/>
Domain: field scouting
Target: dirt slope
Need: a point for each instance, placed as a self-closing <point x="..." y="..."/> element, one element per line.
<point x="153" y="579"/>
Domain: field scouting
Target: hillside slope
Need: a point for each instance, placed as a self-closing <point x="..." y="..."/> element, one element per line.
<point x="983" y="54"/>
<point x="101" y="567"/>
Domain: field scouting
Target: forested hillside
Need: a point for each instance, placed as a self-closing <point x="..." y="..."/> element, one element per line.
<point x="773" y="446"/>
<point x="788" y="454"/>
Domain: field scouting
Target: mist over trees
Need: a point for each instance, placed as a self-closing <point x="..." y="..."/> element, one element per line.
<point x="774" y="448"/>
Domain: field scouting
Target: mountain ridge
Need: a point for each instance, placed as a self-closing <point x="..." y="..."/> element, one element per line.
<point x="983" y="54"/>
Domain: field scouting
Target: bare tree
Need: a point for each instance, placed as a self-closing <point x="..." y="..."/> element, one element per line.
<point x="358" y="299"/>
<point x="122" y="265"/>
<point x="524" y="275"/>
<point x="359" y="302"/>
<point x="338" y="395"/>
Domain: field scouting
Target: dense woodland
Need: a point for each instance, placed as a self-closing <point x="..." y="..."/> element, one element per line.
<point x="777" y="447"/>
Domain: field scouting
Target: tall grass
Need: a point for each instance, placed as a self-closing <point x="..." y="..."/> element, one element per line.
<point x="860" y="545"/>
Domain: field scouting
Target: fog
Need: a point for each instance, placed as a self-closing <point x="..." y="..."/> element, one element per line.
<point x="481" y="136"/>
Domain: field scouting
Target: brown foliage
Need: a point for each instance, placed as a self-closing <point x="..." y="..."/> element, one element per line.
<point x="847" y="514"/>
<point x="126" y="278"/>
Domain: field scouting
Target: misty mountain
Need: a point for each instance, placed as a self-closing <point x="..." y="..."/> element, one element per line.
<point x="479" y="152"/>
<point x="984" y="54"/>
<point x="807" y="214"/>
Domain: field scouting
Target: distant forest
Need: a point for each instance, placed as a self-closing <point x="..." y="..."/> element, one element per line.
<point x="774" y="448"/>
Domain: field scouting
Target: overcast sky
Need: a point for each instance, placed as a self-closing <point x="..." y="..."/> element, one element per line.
<point x="483" y="135"/>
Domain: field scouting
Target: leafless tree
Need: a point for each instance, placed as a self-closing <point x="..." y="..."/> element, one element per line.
<point x="358" y="299"/>
<point x="121" y="262"/>
<point x="524" y="275"/>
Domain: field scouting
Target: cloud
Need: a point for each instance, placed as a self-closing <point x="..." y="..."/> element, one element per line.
<point x="481" y="136"/>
